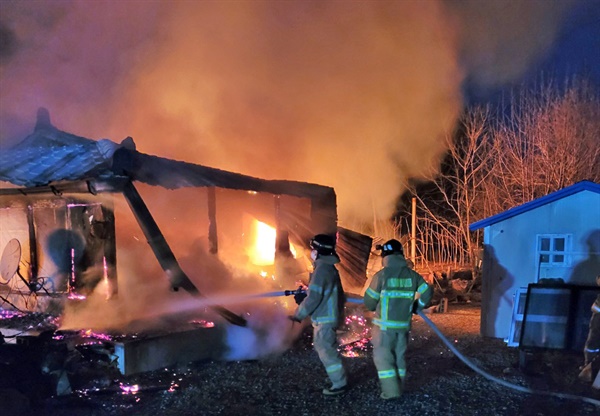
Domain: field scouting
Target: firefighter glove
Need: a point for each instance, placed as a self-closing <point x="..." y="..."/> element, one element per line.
<point x="299" y="297"/>
<point x="415" y="307"/>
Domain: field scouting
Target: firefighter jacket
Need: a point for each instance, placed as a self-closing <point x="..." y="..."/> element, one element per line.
<point x="392" y="292"/>
<point x="325" y="298"/>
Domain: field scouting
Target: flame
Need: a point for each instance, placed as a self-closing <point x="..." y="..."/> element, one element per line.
<point x="105" y="278"/>
<point x="262" y="249"/>
<point x="264" y="244"/>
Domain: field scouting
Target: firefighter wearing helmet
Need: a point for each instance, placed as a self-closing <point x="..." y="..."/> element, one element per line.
<point x="324" y="304"/>
<point x="395" y="293"/>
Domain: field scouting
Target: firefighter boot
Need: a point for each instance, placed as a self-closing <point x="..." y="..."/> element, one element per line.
<point x="390" y="388"/>
<point x="402" y="384"/>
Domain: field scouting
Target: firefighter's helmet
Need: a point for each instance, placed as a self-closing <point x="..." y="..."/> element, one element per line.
<point x="323" y="243"/>
<point x="391" y="247"/>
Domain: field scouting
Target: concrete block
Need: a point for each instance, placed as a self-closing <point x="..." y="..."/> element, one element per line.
<point x="137" y="355"/>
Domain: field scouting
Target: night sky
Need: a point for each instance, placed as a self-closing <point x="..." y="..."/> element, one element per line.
<point x="574" y="54"/>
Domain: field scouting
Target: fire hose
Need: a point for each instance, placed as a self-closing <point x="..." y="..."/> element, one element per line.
<point x="468" y="362"/>
<point x="496" y="379"/>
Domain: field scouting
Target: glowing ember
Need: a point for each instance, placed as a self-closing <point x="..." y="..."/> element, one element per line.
<point x="202" y="323"/>
<point x="355" y="349"/>
<point x="88" y="333"/>
<point x="356" y="340"/>
<point x="129" y="389"/>
<point x="6" y="314"/>
<point x="73" y="295"/>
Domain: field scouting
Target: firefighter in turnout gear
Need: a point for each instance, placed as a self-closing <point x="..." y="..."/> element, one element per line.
<point x="324" y="304"/>
<point x="395" y="293"/>
<point x="591" y="350"/>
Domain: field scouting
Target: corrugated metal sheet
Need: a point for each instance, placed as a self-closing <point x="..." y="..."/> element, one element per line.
<point x="50" y="155"/>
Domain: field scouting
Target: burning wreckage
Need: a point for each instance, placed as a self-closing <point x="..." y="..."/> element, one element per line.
<point x="70" y="207"/>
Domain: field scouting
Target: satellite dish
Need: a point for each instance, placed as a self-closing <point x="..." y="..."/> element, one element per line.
<point x="9" y="263"/>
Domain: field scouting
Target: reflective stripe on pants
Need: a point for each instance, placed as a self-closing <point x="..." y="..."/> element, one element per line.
<point x="389" y="348"/>
<point x="326" y="345"/>
<point x="592" y="344"/>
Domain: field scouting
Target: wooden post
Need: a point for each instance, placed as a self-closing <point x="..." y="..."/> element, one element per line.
<point x="413" y="239"/>
<point x="33" y="256"/>
<point x="213" y="240"/>
<point x="110" y="248"/>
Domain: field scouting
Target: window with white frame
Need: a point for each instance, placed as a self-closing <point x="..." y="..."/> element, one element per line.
<point x="553" y="250"/>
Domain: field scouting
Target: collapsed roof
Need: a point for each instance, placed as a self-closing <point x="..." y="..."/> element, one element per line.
<point x="51" y="160"/>
<point x="50" y="155"/>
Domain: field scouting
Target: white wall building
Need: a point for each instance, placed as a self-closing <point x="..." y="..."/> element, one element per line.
<point x="553" y="237"/>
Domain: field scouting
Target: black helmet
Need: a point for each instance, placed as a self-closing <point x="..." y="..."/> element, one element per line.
<point x="390" y="247"/>
<point x="323" y="243"/>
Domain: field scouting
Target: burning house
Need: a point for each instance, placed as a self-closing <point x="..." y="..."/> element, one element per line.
<point x="88" y="222"/>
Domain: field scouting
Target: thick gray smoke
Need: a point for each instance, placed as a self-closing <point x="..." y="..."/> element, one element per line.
<point x="502" y="39"/>
<point x="355" y="95"/>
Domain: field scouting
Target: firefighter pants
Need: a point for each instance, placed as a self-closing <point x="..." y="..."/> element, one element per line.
<point x="389" y="348"/>
<point x="326" y="345"/>
<point x="592" y="344"/>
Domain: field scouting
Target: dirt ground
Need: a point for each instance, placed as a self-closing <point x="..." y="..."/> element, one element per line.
<point x="439" y="383"/>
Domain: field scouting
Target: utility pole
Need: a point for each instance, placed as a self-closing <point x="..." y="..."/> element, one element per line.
<point x="413" y="236"/>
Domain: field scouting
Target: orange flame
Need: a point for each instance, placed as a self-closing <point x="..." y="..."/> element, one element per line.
<point x="262" y="248"/>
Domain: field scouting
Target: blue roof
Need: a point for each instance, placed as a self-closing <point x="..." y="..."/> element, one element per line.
<point x="554" y="196"/>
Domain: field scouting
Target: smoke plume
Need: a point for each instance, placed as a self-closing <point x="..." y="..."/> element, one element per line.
<point x="355" y="95"/>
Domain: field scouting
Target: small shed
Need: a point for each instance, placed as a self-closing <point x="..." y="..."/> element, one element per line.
<point x="552" y="238"/>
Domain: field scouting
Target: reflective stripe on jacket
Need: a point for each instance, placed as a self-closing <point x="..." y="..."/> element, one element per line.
<point x="391" y="293"/>
<point x="325" y="298"/>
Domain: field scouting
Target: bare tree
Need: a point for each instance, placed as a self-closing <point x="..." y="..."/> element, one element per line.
<point x="455" y="199"/>
<point x="549" y="140"/>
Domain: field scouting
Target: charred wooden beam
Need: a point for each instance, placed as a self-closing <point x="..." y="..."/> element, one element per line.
<point x="33" y="255"/>
<point x="91" y="186"/>
<point x="163" y="252"/>
<point x="213" y="242"/>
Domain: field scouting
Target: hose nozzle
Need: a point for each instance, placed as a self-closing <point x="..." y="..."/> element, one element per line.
<point x="299" y="291"/>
